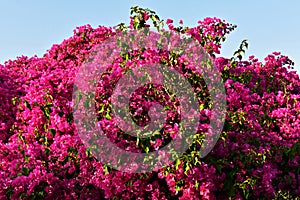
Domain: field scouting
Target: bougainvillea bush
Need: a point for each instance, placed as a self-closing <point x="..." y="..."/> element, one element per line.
<point x="256" y="157"/>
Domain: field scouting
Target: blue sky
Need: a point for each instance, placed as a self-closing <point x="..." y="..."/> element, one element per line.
<point x="33" y="26"/>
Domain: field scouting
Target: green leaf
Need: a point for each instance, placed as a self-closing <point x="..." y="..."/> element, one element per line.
<point x="14" y="100"/>
<point x="46" y="111"/>
<point x="47" y="151"/>
<point x="52" y="131"/>
<point x="105" y="169"/>
<point x="147" y="149"/>
<point x="107" y="116"/>
<point x="196" y="184"/>
<point x="25" y="171"/>
<point x="26" y="103"/>
<point x="101" y="108"/>
<point x="177" y="164"/>
<point x="201" y="107"/>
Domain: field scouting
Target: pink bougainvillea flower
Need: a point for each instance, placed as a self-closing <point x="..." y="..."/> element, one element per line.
<point x="169" y="21"/>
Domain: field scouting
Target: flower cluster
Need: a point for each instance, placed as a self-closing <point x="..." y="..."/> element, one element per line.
<point x="42" y="156"/>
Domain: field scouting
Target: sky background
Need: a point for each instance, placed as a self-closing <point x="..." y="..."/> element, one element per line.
<point x="31" y="27"/>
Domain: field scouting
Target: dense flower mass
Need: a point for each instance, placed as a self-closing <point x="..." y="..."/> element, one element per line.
<point x="42" y="156"/>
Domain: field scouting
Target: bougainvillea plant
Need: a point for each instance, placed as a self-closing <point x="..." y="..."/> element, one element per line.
<point x="256" y="157"/>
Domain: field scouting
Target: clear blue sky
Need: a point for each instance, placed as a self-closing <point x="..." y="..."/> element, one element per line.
<point x="32" y="26"/>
